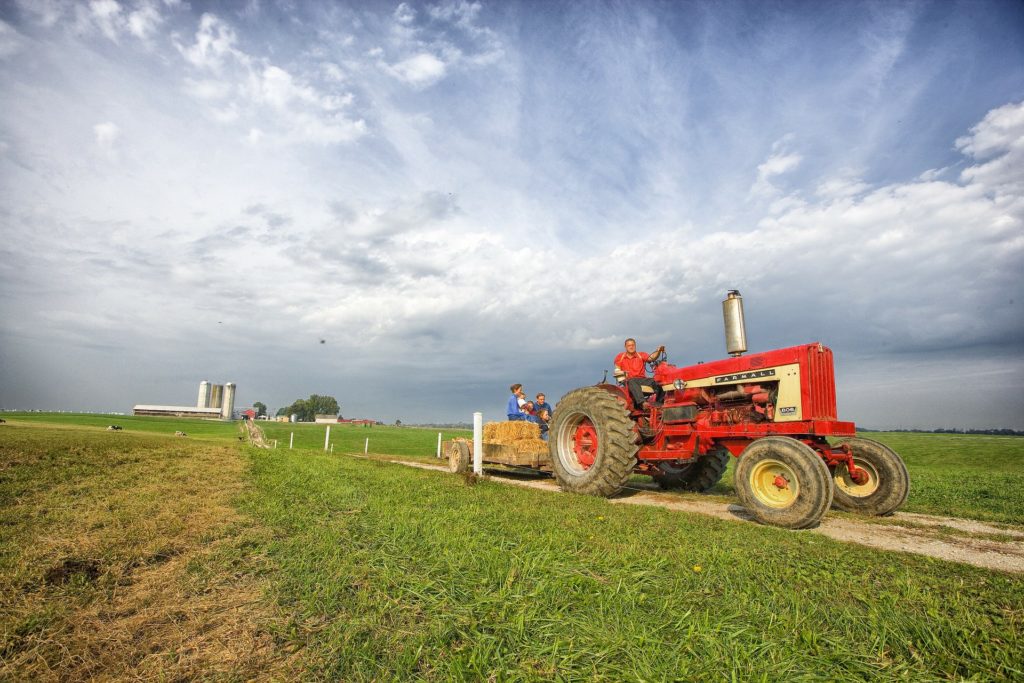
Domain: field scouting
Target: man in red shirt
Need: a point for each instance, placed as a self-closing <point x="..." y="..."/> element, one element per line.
<point x="634" y="365"/>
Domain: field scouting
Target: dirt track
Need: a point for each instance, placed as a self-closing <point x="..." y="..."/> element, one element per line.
<point x="946" y="538"/>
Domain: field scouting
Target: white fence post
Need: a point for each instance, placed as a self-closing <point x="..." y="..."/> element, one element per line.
<point x="366" y="447"/>
<point x="291" y="440"/>
<point x="327" y="436"/>
<point x="478" y="443"/>
<point x="439" y="444"/>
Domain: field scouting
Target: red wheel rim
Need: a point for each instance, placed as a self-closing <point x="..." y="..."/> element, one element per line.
<point x="585" y="443"/>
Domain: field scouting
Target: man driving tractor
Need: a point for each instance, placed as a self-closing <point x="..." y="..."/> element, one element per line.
<point x="634" y="366"/>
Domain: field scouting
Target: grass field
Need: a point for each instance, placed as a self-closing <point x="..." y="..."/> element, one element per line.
<point x="196" y="428"/>
<point x="137" y="554"/>
<point x="384" y="440"/>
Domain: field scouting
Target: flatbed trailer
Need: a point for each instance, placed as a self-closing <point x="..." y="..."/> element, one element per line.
<point x="460" y="456"/>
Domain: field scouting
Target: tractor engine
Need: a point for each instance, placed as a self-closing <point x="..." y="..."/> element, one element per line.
<point x="768" y="390"/>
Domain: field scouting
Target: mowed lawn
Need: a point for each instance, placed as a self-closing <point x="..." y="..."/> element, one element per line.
<point x="140" y="554"/>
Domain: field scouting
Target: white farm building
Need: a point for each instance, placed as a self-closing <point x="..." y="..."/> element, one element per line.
<point x="216" y="401"/>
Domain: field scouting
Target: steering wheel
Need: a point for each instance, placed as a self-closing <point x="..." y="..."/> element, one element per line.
<point x="657" y="356"/>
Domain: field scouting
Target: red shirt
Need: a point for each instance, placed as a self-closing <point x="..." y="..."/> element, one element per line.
<point x="633" y="366"/>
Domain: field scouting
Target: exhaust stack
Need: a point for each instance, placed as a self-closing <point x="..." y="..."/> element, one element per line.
<point x="735" y="329"/>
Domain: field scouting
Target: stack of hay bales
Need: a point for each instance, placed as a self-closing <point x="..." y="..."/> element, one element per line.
<point x="522" y="437"/>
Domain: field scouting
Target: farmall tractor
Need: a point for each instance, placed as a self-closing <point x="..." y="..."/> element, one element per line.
<point x="775" y="411"/>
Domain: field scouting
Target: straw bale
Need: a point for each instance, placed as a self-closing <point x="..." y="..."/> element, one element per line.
<point x="534" y="445"/>
<point x="508" y="432"/>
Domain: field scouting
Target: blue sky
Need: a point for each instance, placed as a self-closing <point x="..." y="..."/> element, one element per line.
<point x="458" y="196"/>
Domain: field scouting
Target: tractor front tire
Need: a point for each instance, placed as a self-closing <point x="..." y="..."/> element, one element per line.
<point x="459" y="457"/>
<point x="783" y="482"/>
<point x="592" y="443"/>
<point x="886" y="488"/>
<point x="698" y="476"/>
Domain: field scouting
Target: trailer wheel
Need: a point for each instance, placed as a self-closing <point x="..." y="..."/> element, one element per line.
<point x="459" y="457"/>
<point x="783" y="482"/>
<point x="887" y="485"/>
<point x="698" y="476"/>
<point x="592" y="443"/>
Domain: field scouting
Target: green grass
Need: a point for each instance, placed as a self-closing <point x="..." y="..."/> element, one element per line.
<point x="123" y="556"/>
<point x="410" y="442"/>
<point x="963" y="475"/>
<point x="196" y="428"/>
<point x="391" y="573"/>
<point x="959" y="475"/>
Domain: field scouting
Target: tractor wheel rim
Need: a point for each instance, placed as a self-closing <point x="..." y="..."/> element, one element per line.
<point x="577" y="449"/>
<point x="849" y="486"/>
<point x="774" y="483"/>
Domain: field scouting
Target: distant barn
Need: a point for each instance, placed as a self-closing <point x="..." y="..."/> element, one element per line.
<point x="177" y="411"/>
<point x="364" y="423"/>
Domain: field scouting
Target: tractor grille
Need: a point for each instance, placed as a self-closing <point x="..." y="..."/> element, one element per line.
<point x="820" y="383"/>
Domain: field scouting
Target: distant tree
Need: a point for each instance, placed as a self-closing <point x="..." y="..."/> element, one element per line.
<point x="308" y="408"/>
<point x="398" y="423"/>
<point x="261" y="408"/>
<point x="281" y="411"/>
<point x="323" y="405"/>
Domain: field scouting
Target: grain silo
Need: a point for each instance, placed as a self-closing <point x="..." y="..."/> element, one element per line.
<point x="216" y="396"/>
<point x="204" y="395"/>
<point x="228" y="410"/>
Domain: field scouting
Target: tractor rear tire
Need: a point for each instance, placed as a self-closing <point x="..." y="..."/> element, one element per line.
<point x="783" y="482"/>
<point x="888" y="482"/>
<point x="459" y="457"/>
<point x="592" y="443"/>
<point x="698" y="476"/>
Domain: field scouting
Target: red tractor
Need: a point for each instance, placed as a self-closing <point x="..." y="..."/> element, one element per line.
<point x="775" y="411"/>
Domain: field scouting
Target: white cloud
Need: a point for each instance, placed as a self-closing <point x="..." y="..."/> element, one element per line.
<point x="107" y="16"/>
<point x="844" y="185"/>
<point x="1001" y="129"/>
<point x="420" y="71"/>
<point x="113" y="19"/>
<point x="106" y="134"/>
<point x="214" y="44"/>
<point x="288" y="108"/>
<point x="324" y="130"/>
<point x="144" y="21"/>
<point x="933" y="174"/>
<point x="428" y="51"/>
<point x="998" y="140"/>
<point x="404" y="14"/>
<point x="332" y="72"/>
<point x="779" y="163"/>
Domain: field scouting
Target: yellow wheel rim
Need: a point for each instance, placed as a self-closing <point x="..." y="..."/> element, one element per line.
<point x="774" y="484"/>
<point x="850" y="487"/>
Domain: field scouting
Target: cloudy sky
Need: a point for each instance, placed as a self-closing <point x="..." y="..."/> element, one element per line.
<point x="458" y="196"/>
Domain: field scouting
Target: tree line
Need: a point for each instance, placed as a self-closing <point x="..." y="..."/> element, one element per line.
<point x="308" y="408"/>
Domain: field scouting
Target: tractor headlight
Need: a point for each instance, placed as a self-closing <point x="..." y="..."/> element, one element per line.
<point x="679" y="384"/>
